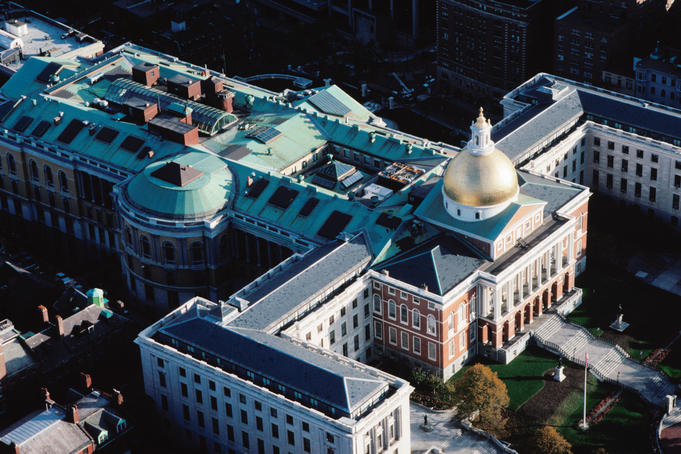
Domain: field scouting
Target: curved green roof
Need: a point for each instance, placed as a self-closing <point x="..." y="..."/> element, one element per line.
<point x="176" y="196"/>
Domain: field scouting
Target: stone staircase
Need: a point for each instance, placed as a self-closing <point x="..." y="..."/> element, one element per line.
<point x="606" y="361"/>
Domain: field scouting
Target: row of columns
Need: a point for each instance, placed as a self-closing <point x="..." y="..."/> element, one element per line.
<point x="512" y="292"/>
<point x="258" y="250"/>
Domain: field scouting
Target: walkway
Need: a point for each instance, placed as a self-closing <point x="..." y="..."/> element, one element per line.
<point x="446" y="435"/>
<point x="606" y="361"/>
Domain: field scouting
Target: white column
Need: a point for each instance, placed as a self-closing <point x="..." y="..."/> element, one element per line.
<point x="571" y="248"/>
<point x="497" y="304"/>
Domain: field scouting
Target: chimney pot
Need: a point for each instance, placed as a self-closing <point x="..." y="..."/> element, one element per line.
<point x="60" y="325"/>
<point x="74" y="414"/>
<point x="44" y="313"/>
<point x="118" y="397"/>
<point x="86" y="381"/>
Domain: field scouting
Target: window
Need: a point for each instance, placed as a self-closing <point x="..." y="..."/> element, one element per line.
<point x="416" y="319"/>
<point x="652" y="194"/>
<point x="623" y="185"/>
<point x="611" y="161"/>
<point x="367" y="332"/>
<point x="391" y="291"/>
<point x="11" y="164"/>
<point x="183" y="389"/>
<point x="404" y="317"/>
<point x="597" y="141"/>
<point x="355" y="321"/>
<point x="597" y="156"/>
<point x="417" y="345"/>
<point x="273" y="412"/>
<point x="306" y="427"/>
<point x="356" y="342"/>
<point x="392" y="335"/>
<point x="332" y="336"/>
<point x="185" y="412"/>
<point x="639" y="154"/>
<point x="342" y="312"/>
<point x="197" y="378"/>
<point x="677" y="181"/>
<point x="675" y="201"/>
<point x="226" y="391"/>
<point x="654" y="157"/>
<point x="653" y="174"/>
<point x="377" y="304"/>
<point x="432" y="353"/>
<point x="344" y="329"/>
<point x="275" y="431"/>
<point x="625" y="165"/>
<point x="244" y="417"/>
<point x="378" y="330"/>
<point x="639" y="170"/>
<point x="637" y="190"/>
<point x="405" y="340"/>
<point x="366" y="310"/>
<point x="452" y="349"/>
<point x="146" y="247"/>
<point x="216" y="429"/>
<point x="199" y="396"/>
<point x="431" y="325"/>
<point x="244" y="439"/>
<point x="392" y="309"/>
<point x="289" y="419"/>
<point x="451" y="323"/>
<point x="168" y="252"/>
<point x="213" y="403"/>
<point x="611" y="145"/>
<point x="242" y="399"/>
<point x="230" y="433"/>
<point x="199" y="417"/>
<point x="291" y="438"/>
<point x="34" y="171"/>
<point x="608" y="181"/>
<point x="625" y="149"/>
<point x="162" y="379"/>
<point x="306" y="445"/>
<point x="196" y="253"/>
<point x="49" y="179"/>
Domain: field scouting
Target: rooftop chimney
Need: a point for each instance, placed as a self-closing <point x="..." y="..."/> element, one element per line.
<point x="46" y="397"/>
<point x="118" y="397"/>
<point x="3" y="368"/>
<point x="86" y="381"/>
<point x="43" y="312"/>
<point x="14" y="448"/>
<point x="73" y="415"/>
<point x="60" y="325"/>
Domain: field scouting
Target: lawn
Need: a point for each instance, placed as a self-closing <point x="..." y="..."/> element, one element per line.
<point x="625" y="429"/>
<point x="524" y="376"/>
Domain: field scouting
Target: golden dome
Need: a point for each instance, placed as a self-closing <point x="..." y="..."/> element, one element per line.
<point x="480" y="180"/>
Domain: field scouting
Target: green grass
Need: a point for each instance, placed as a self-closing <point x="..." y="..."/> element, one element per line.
<point x="523" y="376"/>
<point x="569" y="412"/>
<point x="625" y="429"/>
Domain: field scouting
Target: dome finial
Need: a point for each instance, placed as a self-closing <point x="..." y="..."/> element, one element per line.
<point x="481" y="121"/>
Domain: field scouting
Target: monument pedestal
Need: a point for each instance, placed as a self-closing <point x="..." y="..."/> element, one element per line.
<point x="559" y="374"/>
<point x="619" y="325"/>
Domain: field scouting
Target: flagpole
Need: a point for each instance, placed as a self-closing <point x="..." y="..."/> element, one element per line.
<point x="586" y="367"/>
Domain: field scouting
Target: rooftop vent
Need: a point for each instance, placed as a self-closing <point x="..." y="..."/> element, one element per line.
<point x="177" y="174"/>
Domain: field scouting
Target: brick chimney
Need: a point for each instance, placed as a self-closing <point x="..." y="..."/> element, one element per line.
<point x="118" y="397"/>
<point x="43" y="312"/>
<point x="73" y="415"/>
<point x="60" y="325"/>
<point x="86" y="381"/>
<point x="3" y="367"/>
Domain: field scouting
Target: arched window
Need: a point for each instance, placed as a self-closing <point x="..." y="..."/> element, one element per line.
<point x="196" y="252"/>
<point x="392" y="309"/>
<point x="451" y="323"/>
<point x="146" y="247"/>
<point x="431" y="325"/>
<point x="377" y="304"/>
<point x="11" y="164"/>
<point x="462" y="313"/>
<point x="168" y="252"/>
<point x="416" y="319"/>
<point x="404" y="314"/>
<point x="49" y="180"/>
<point x="63" y="183"/>
<point x="34" y="171"/>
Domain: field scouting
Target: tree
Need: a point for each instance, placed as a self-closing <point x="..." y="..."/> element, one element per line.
<point x="548" y="441"/>
<point x="479" y="394"/>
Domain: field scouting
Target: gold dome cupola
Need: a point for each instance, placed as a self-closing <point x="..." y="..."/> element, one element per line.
<point x="480" y="181"/>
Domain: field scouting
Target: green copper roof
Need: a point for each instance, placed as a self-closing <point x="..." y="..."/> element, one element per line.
<point x="25" y="80"/>
<point x="203" y="196"/>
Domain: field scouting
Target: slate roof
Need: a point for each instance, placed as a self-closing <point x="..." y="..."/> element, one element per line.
<point x="46" y="432"/>
<point x="293" y="288"/>
<point x="440" y="263"/>
<point x="294" y="366"/>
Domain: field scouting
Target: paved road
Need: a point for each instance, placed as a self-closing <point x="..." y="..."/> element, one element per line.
<point x="606" y="361"/>
<point x="446" y="435"/>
